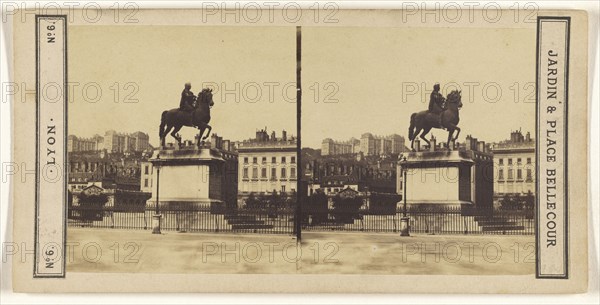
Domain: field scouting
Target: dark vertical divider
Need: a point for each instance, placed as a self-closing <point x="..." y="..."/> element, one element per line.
<point x="300" y="193"/>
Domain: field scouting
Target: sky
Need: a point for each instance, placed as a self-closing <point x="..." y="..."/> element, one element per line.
<point x="141" y="71"/>
<point x="355" y="79"/>
<point x="374" y="70"/>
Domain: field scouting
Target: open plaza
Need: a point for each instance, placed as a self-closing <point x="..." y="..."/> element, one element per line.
<point x="139" y="251"/>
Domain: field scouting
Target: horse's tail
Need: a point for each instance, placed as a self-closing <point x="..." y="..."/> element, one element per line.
<point x="163" y="123"/>
<point x="411" y="128"/>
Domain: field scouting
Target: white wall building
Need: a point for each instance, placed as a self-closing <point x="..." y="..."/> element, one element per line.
<point x="267" y="164"/>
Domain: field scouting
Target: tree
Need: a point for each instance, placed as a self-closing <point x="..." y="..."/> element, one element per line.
<point x="529" y="201"/>
<point x="317" y="207"/>
<point x="345" y="210"/>
<point x="511" y="203"/>
<point x="383" y="204"/>
<point x="274" y="200"/>
<point x="92" y="205"/>
<point x="251" y="201"/>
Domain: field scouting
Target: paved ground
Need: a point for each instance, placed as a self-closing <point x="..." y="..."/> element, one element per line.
<point x="110" y="250"/>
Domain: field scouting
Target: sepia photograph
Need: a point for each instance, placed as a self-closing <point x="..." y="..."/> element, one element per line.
<point x="195" y="136"/>
<point x="338" y="151"/>
<point x="421" y="136"/>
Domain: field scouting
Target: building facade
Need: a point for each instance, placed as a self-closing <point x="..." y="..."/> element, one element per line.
<point x="371" y="145"/>
<point x="125" y="142"/>
<point x="146" y="176"/>
<point x="333" y="174"/>
<point x="85" y="167"/>
<point x="368" y="144"/>
<point x="514" y="161"/>
<point x="112" y="141"/>
<point x="267" y="164"/>
<point x="75" y="143"/>
<point x="331" y="147"/>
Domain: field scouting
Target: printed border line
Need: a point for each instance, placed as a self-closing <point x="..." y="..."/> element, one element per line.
<point x="567" y="21"/>
<point x="37" y="145"/>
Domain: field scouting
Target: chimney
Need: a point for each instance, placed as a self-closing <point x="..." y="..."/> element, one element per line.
<point x="226" y="145"/>
<point x="284" y="135"/>
<point x="433" y="143"/>
<point x="528" y="136"/>
<point x="481" y="146"/>
<point x="273" y="138"/>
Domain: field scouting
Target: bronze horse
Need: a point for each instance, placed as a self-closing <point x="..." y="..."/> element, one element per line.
<point x="197" y="118"/>
<point x="448" y="119"/>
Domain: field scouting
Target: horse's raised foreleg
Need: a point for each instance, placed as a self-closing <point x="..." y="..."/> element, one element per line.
<point x="457" y="133"/>
<point x="208" y="133"/>
<point x="424" y="133"/>
<point x="201" y="131"/>
<point x="175" y="135"/>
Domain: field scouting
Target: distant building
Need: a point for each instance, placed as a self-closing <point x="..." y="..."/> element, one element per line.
<point x="86" y="167"/>
<point x="331" y="147"/>
<point x="333" y="174"/>
<point x="116" y="198"/>
<point x="114" y="175"/>
<point x="112" y="141"/>
<point x="368" y="144"/>
<point x="122" y="142"/>
<point x="146" y="176"/>
<point x="75" y="143"/>
<point x="514" y="161"/>
<point x="267" y="163"/>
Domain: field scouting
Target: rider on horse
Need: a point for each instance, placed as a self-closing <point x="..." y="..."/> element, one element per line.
<point x="187" y="99"/>
<point x="436" y="100"/>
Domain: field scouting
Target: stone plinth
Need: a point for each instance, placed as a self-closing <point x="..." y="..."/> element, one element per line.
<point x="447" y="178"/>
<point x="190" y="179"/>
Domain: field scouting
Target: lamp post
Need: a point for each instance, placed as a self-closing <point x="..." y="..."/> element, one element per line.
<point x="404" y="221"/>
<point x="156" y="217"/>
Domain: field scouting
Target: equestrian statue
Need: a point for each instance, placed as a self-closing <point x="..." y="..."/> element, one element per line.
<point x="442" y="114"/>
<point x="192" y="112"/>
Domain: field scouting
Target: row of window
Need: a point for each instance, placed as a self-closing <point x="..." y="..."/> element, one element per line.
<point x="263" y="173"/>
<point x="273" y="160"/>
<point x="511" y="174"/>
<point x="281" y="191"/>
<point x="510" y="161"/>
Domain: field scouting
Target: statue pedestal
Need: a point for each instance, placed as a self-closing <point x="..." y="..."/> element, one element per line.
<point x="193" y="188"/>
<point x="442" y="186"/>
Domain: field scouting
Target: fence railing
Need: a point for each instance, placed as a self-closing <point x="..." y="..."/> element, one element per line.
<point x="442" y="220"/>
<point x="439" y="220"/>
<point x="266" y="221"/>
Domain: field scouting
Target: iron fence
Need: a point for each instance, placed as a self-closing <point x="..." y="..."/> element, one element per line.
<point x="436" y="220"/>
<point x="439" y="220"/>
<point x="265" y="221"/>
